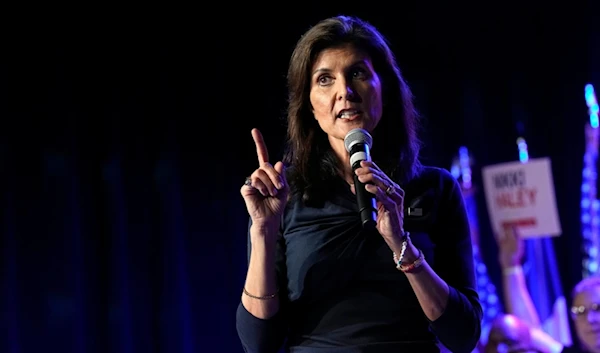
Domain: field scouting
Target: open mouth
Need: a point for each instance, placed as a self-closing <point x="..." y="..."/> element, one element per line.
<point x="349" y="114"/>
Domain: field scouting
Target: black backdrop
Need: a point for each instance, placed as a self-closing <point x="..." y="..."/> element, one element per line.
<point x="125" y="140"/>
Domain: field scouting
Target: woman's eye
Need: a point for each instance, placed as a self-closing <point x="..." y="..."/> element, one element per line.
<point x="324" y="80"/>
<point x="359" y="73"/>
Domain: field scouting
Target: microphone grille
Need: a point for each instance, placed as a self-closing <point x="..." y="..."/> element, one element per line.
<point x="355" y="136"/>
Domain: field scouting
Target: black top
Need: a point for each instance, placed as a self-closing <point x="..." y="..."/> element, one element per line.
<point x="340" y="290"/>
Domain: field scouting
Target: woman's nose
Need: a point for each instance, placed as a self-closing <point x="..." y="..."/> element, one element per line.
<point x="346" y="92"/>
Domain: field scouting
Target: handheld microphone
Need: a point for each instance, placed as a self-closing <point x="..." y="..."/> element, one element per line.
<point x="358" y="143"/>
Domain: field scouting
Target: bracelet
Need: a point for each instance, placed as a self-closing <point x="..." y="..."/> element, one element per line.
<point x="512" y="270"/>
<point x="265" y="297"/>
<point x="405" y="238"/>
<point x="416" y="264"/>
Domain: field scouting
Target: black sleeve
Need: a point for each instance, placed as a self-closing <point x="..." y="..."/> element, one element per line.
<point x="459" y="326"/>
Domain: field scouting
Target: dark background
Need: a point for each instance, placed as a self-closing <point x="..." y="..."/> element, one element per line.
<point x="125" y="139"/>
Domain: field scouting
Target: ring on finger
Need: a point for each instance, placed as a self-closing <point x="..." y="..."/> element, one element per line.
<point x="248" y="182"/>
<point x="390" y="189"/>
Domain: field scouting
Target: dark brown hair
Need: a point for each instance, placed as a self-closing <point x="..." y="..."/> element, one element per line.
<point x="308" y="153"/>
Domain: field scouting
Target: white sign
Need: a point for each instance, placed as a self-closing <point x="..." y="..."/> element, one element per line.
<point x="522" y="194"/>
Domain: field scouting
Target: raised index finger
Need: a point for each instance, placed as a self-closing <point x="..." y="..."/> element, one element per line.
<point x="261" y="148"/>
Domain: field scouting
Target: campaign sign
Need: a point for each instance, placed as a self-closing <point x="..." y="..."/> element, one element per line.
<point x="522" y="194"/>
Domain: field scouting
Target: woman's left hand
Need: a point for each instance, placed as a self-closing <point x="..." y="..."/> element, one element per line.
<point x="390" y="201"/>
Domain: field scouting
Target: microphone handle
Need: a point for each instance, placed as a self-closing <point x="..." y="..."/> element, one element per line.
<point x="367" y="207"/>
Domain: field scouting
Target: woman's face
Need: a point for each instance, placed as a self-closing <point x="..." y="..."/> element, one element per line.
<point x="345" y="91"/>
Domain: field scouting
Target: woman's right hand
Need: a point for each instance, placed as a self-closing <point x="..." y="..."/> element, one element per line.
<point x="266" y="191"/>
